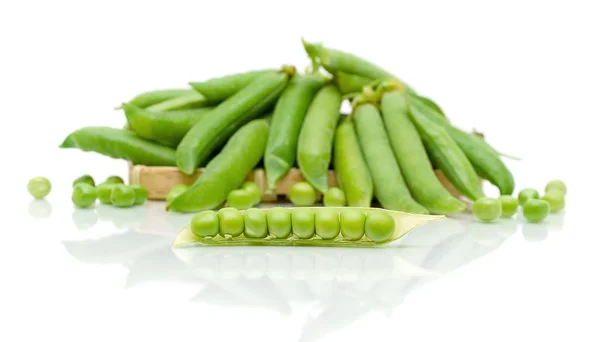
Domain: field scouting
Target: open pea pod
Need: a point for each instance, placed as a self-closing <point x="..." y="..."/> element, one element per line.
<point x="403" y="223"/>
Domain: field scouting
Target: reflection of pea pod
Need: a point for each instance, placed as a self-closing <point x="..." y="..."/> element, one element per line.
<point x="389" y="185"/>
<point x="403" y="223"/>
<point x="164" y="127"/>
<point x="316" y="137"/>
<point x="226" y="171"/>
<point x="153" y="97"/>
<point x="218" y="89"/>
<point x="448" y="156"/>
<point x="350" y="83"/>
<point x="245" y="105"/>
<point x="280" y="154"/>
<point x="188" y="101"/>
<point x="412" y="158"/>
<point x="117" y="143"/>
<point x="484" y="158"/>
<point x="350" y="166"/>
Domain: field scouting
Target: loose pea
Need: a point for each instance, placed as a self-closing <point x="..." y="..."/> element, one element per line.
<point x="303" y="223"/>
<point x="352" y="224"/>
<point x="205" y="224"/>
<point x="39" y="187"/>
<point x="487" y="209"/>
<point x="104" y="192"/>
<point x="141" y="193"/>
<point x="334" y="197"/>
<point x="122" y="196"/>
<point x="527" y="194"/>
<point x="536" y="210"/>
<point x="85" y="179"/>
<point x="84" y="195"/>
<point x="114" y="180"/>
<point x="556" y="198"/>
<point x="303" y="194"/>
<point x="327" y="224"/>
<point x="176" y="191"/>
<point x="510" y="205"/>
<point x="240" y="199"/>
<point x="379" y="227"/>
<point x="255" y="223"/>
<point x="231" y="222"/>
<point x="254" y="189"/>
<point x="556" y="185"/>
<point x="279" y="222"/>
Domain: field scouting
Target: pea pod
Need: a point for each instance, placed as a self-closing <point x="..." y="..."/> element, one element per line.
<point x="121" y="144"/>
<point x="403" y="223"/>
<point x="448" y="156"/>
<point x="227" y="117"/>
<point x="483" y="157"/>
<point x="218" y="89"/>
<point x="226" y="171"/>
<point x="412" y="157"/>
<point x="280" y="154"/>
<point x="167" y="128"/>
<point x="153" y="97"/>
<point x="316" y="137"/>
<point x="389" y="186"/>
<point x="350" y="83"/>
<point x="188" y="101"/>
<point x="351" y="169"/>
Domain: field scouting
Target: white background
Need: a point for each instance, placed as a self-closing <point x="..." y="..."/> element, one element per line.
<point x="526" y="73"/>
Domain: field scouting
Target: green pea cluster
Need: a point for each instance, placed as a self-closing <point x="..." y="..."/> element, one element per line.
<point x="112" y="191"/>
<point x="300" y="223"/>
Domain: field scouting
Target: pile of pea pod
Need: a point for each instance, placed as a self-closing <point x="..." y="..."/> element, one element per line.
<point x="384" y="152"/>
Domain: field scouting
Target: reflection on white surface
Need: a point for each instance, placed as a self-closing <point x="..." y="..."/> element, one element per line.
<point x="39" y="209"/>
<point x="84" y="218"/>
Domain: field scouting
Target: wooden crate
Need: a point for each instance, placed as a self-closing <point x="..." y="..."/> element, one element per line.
<point x="160" y="179"/>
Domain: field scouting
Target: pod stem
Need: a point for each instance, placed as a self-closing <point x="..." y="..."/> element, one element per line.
<point x="289" y="69"/>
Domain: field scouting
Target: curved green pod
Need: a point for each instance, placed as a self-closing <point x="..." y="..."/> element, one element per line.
<point x="286" y="122"/>
<point x="227" y="171"/>
<point x="403" y="223"/>
<point x="210" y="132"/>
<point x="448" y="156"/>
<point x="316" y="137"/>
<point x="389" y="185"/>
<point x="483" y="157"/>
<point x="120" y="144"/>
<point x="350" y="83"/>
<point x="218" y="89"/>
<point x="167" y="128"/>
<point x="351" y="169"/>
<point x="412" y="157"/>
<point x="153" y="97"/>
<point x="188" y="101"/>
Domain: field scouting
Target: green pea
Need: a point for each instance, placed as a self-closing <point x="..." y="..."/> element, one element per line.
<point x="122" y="196"/>
<point x="39" y="187"/>
<point x="255" y="223"/>
<point x="141" y="193"/>
<point x="205" y="224"/>
<point x="556" y="185"/>
<point x="352" y="224"/>
<point x="175" y="191"/>
<point x="279" y="222"/>
<point x="556" y="199"/>
<point x="104" y="192"/>
<point x="114" y="180"/>
<point x="231" y="222"/>
<point x="240" y="199"/>
<point x="527" y="194"/>
<point x="303" y="194"/>
<point x="487" y="209"/>
<point x="327" y="224"/>
<point x="84" y="195"/>
<point x="303" y="223"/>
<point x="536" y="210"/>
<point x="379" y="227"/>
<point x="334" y="197"/>
<point x="510" y="205"/>
<point x="85" y="179"/>
<point x="254" y="189"/>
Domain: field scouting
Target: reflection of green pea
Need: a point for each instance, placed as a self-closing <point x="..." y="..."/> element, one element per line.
<point x="303" y="223"/>
<point x="205" y="224"/>
<point x="255" y="223"/>
<point x="327" y="224"/>
<point x="84" y="195"/>
<point x="231" y="222"/>
<point x="352" y="224"/>
<point x="279" y="222"/>
<point x="379" y="227"/>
